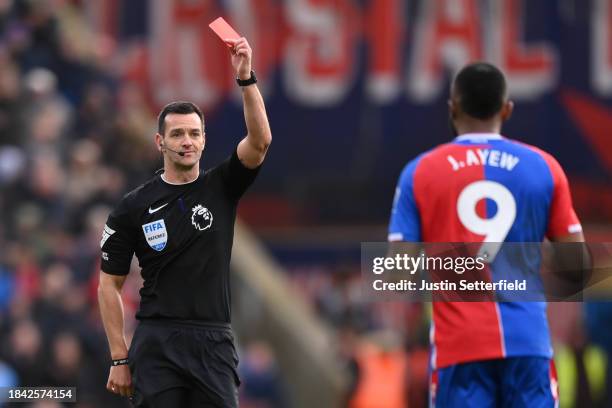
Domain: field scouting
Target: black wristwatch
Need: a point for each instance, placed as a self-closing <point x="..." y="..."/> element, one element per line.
<point x="120" y="361"/>
<point x="246" y="82"/>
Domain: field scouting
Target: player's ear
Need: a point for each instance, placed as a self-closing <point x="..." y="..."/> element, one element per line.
<point x="507" y="110"/>
<point x="452" y="108"/>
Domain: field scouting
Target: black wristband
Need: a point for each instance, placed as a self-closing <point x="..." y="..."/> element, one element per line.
<point x="246" y="82"/>
<point x="121" y="361"/>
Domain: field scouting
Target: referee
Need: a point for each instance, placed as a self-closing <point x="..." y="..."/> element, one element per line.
<point x="180" y="224"/>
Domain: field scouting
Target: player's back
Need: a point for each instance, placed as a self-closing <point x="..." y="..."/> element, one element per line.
<point x="483" y="187"/>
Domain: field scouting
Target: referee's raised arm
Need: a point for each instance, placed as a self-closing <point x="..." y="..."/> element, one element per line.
<point x="253" y="148"/>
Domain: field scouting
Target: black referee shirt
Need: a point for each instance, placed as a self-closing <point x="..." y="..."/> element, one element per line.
<point x="182" y="236"/>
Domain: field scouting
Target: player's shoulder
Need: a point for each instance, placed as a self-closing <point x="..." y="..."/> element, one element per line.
<point x="410" y="168"/>
<point x="537" y="153"/>
<point x="523" y="147"/>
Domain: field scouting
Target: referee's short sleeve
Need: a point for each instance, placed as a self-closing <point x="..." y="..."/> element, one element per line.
<point x="118" y="241"/>
<point x="236" y="176"/>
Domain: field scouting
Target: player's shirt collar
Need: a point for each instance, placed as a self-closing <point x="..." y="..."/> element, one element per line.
<point x="478" y="137"/>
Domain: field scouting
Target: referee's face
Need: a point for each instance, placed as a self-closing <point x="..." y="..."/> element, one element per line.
<point x="183" y="133"/>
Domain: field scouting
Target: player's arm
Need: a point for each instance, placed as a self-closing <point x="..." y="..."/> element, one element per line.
<point x="253" y="148"/>
<point x="571" y="256"/>
<point x="572" y="259"/>
<point x="404" y="224"/>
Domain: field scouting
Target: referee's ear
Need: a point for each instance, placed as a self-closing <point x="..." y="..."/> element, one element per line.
<point x="159" y="142"/>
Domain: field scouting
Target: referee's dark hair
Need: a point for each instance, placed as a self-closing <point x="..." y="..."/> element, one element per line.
<point x="481" y="90"/>
<point x="180" y="107"/>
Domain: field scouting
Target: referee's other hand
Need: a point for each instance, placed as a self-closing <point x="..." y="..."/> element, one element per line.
<point x="120" y="380"/>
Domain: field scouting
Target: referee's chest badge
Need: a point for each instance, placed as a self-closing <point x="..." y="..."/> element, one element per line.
<point x="201" y="218"/>
<point x="156" y="234"/>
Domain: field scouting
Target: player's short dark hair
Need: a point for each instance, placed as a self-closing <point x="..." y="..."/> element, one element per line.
<point x="180" y="107"/>
<point x="481" y="88"/>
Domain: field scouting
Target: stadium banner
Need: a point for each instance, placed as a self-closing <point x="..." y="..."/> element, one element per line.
<point x="360" y="87"/>
<point x="490" y="271"/>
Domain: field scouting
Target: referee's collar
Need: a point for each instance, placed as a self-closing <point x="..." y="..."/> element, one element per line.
<point x="178" y="184"/>
<point x="478" y="137"/>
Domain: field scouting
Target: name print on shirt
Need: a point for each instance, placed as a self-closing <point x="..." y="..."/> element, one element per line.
<point x="484" y="157"/>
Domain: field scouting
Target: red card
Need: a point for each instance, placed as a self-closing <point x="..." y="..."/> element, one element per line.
<point x="224" y="30"/>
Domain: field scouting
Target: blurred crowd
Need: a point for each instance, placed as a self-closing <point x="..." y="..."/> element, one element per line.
<point x="72" y="137"/>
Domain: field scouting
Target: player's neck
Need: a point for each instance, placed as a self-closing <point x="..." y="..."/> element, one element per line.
<point x="478" y="126"/>
<point x="175" y="175"/>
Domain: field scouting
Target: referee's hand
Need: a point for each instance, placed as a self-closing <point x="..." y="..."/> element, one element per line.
<point x="242" y="55"/>
<point x="120" y="380"/>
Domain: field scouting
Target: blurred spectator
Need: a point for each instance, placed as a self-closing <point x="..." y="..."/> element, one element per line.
<point x="7" y="289"/>
<point x="262" y="385"/>
<point x="598" y="316"/>
<point x="381" y="373"/>
<point x="24" y="352"/>
<point x="8" y="376"/>
<point x="59" y="144"/>
<point x="12" y="164"/>
<point x="340" y="300"/>
<point x="12" y="126"/>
